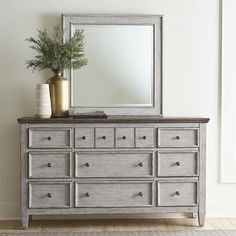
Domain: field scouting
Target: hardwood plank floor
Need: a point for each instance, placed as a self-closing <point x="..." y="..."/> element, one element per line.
<point x="98" y="225"/>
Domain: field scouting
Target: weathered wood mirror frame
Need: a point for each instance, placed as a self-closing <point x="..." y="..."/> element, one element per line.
<point x="153" y="20"/>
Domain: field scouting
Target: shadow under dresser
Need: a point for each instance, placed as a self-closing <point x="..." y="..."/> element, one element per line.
<point x="124" y="165"/>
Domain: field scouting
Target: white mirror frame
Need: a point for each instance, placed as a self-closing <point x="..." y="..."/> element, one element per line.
<point x="153" y="20"/>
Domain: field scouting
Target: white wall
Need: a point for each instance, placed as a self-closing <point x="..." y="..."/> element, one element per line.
<point x="191" y="78"/>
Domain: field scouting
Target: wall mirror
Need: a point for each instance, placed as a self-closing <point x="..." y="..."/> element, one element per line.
<point x="123" y="75"/>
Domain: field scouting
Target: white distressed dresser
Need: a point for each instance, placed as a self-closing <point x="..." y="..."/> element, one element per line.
<point x="125" y="165"/>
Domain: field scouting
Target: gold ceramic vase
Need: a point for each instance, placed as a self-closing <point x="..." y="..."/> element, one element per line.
<point x="59" y="89"/>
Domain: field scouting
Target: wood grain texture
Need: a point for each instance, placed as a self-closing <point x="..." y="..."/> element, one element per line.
<point x="84" y="137"/>
<point x="178" y="162"/>
<point x="114" y="164"/>
<point x="124" y="137"/>
<point x="49" y="165"/>
<point x="177" y="194"/>
<point x="117" y="166"/>
<point x="176" y="137"/>
<point x="49" y="137"/>
<point x="117" y="194"/>
<point x="202" y="176"/>
<point x="49" y="194"/>
<point x="114" y="119"/>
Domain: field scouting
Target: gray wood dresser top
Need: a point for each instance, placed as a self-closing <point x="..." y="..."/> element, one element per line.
<point x="118" y="165"/>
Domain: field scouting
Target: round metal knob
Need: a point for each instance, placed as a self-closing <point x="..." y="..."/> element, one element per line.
<point x="87" y="164"/>
<point x="104" y="137"/>
<point x="83" y="137"/>
<point x="144" y="137"/>
<point x="140" y="164"/>
<point x="140" y="194"/>
<point x="87" y="195"/>
<point x="49" y="165"/>
<point x="49" y="138"/>
<point x="124" y="137"/>
<point x="177" y="193"/>
<point x="177" y="137"/>
<point x="177" y="163"/>
<point x="49" y="195"/>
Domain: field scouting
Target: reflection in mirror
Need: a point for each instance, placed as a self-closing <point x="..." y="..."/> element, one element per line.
<point x="120" y="67"/>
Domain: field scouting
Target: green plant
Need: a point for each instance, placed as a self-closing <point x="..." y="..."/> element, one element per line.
<point x="55" y="54"/>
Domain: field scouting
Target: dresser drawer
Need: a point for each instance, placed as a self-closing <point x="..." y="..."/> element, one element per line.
<point x="176" y="137"/>
<point x="177" y="163"/>
<point x="113" y="164"/>
<point x="84" y="137"/>
<point x="49" y="138"/>
<point x="124" y="137"/>
<point x="125" y="194"/>
<point x="144" y="137"/>
<point x="49" y="194"/>
<point x="104" y="138"/>
<point x="177" y="193"/>
<point x="49" y="165"/>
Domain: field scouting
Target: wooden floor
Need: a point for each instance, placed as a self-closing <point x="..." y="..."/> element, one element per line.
<point x="99" y="225"/>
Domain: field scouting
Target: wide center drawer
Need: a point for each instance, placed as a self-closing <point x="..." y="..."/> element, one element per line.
<point x="49" y="194"/>
<point x="49" y="165"/>
<point x="49" y="138"/>
<point x="178" y="137"/>
<point x="116" y="194"/>
<point x="114" y="164"/>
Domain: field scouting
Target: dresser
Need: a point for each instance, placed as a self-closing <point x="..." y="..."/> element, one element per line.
<point x="119" y="165"/>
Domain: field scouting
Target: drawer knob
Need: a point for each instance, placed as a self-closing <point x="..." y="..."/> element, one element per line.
<point x="87" y="164"/>
<point x="83" y="137"/>
<point x="49" y="138"/>
<point x="104" y="137"/>
<point x="124" y="137"/>
<point x="87" y="195"/>
<point x="177" y="193"/>
<point x="140" y="194"/>
<point x="140" y="164"/>
<point x="49" y="195"/>
<point x="49" y="165"/>
<point x="144" y="137"/>
<point x="177" y="137"/>
<point x="177" y="163"/>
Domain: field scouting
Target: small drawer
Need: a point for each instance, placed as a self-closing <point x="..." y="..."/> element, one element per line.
<point x="49" y="194"/>
<point x="124" y="137"/>
<point x="113" y="164"/>
<point x="176" y="137"/>
<point x="49" y="138"/>
<point x="104" y="138"/>
<point x="125" y="194"/>
<point x="84" y="138"/>
<point x="144" y="137"/>
<point x="49" y="165"/>
<point x="177" y="163"/>
<point x="177" y="193"/>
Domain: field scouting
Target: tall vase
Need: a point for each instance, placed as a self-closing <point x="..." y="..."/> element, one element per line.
<point x="42" y="101"/>
<point x="59" y="89"/>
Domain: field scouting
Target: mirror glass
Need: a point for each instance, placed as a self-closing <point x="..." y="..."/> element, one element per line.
<point x="120" y="67"/>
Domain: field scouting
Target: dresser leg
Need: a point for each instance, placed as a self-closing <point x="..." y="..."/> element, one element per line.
<point x="201" y="219"/>
<point x="30" y="217"/>
<point x="25" y="221"/>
